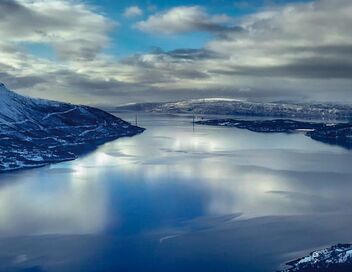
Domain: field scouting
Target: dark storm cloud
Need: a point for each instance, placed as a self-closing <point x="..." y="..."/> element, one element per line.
<point x="334" y="50"/>
<point x="80" y="84"/>
<point x="78" y="50"/>
<point x="7" y="7"/>
<point x="192" y="54"/>
<point x="95" y="86"/>
<point x="190" y="74"/>
<point x="20" y="81"/>
<point x="218" y="28"/>
<point x="174" y="56"/>
<point x="315" y="68"/>
<point x="168" y="67"/>
<point x="21" y="20"/>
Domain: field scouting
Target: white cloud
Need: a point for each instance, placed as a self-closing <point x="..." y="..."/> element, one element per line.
<point x="301" y="49"/>
<point x="133" y="11"/>
<point x="183" y="19"/>
<point x="73" y="28"/>
<point x="285" y="35"/>
<point x="295" y="50"/>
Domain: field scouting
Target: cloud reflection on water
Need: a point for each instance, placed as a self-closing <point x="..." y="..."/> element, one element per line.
<point x="136" y="181"/>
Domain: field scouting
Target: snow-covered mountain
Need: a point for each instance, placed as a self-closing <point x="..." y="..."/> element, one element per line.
<point x="334" y="259"/>
<point x="220" y="106"/>
<point x="34" y="132"/>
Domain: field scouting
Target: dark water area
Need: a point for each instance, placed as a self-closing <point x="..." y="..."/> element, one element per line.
<point x="178" y="198"/>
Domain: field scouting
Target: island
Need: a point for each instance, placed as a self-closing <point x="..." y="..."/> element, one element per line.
<point x="331" y="133"/>
<point x="36" y="132"/>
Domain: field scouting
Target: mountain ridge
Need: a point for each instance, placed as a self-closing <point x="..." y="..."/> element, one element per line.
<point x="35" y="132"/>
<point x="219" y="106"/>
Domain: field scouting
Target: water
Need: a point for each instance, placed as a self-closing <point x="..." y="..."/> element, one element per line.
<point x="178" y="198"/>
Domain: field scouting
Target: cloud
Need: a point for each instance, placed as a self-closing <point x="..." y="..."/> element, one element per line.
<point x="185" y="53"/>
<point x="133" y="11"/>
<point x="185" y="19"/>
<point x="304" y="68"/>
<point x="75" y="29"/>
<point x="299" y="40"/>
<point x="295" y="51"/>
<point x="301" y="49"/>
<point x="20" y="81"/>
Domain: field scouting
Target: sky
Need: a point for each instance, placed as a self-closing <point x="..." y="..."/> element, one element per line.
<point x="112" y="52"/>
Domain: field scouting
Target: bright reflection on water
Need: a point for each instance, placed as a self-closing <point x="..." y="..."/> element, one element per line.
<point x="268" y="196"/>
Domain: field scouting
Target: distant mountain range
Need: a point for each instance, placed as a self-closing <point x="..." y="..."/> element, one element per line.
<point x="220" y="106"/>
<point x="35" y="132"/>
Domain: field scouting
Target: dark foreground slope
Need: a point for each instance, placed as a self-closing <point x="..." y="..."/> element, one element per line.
<point x="35" y="132"/>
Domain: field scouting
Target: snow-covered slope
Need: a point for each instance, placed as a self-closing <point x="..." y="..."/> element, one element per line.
<point x="221" y="106"/>
<point x="35" y="132"/>
<point x="334" y="259"/>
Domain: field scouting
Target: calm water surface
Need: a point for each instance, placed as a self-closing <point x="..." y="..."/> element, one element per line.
<point x="178" y="198"/>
